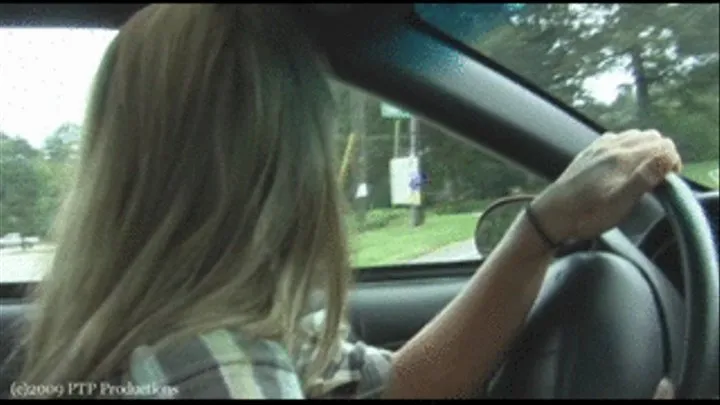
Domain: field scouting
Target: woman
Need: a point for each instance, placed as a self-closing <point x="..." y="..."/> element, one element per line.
<point x="205" y="213"/>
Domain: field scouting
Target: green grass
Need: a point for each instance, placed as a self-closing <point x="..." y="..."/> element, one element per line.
<point x="398" y="242"/>
<point x="705" y="173"/>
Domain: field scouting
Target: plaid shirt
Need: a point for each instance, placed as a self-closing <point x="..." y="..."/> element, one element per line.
<point x="223" y="365"/>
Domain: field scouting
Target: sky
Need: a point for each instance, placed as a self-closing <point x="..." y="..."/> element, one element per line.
<point x="45" y="77"/>
<point x="46" y="74"/>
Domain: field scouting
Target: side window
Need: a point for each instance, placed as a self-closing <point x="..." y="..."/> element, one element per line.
<point x="45" y="77"/>
<point x="414" y="191"/>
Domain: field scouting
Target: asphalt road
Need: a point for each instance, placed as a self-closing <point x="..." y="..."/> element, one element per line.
<point x="456" y="252"/>
<point x="19" y="266"/>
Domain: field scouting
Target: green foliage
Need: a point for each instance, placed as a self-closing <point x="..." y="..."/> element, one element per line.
<point x="378" y="218"/>
<point x="669" y="51"/>
<point x="706" y="173"/>
<point x="21" y="186"/>
<point x="458" y="207"/>
<point x="668" y="54"/>
<point x="34" y="181"/>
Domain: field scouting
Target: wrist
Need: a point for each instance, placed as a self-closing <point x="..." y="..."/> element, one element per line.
<point x="534" y="243"/>
<point x="540" y="240"/>
<point x="540" y="230"/>
<point x="550" y="219"/>
<point x="524" y="243"/>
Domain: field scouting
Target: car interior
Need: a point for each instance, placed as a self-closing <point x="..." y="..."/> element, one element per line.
<point x="613" y="317"/>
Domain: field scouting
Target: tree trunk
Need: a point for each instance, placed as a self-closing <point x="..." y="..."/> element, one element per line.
<point x="642" y="87"/>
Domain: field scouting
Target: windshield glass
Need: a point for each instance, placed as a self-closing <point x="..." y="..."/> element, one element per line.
<point x="621" y="65"/>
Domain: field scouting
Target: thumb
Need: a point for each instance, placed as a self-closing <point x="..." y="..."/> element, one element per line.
<point x="665" y="390"/>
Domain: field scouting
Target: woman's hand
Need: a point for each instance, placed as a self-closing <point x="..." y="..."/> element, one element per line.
<point x="601" y="186"/>
<point x="604" y="182"/>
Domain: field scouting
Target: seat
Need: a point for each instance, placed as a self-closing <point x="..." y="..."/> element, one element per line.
<point x="11" y="316"/>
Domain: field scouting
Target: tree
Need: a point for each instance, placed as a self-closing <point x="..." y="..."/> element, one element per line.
<point x="20" y="186"/>
<point x="669" y="50"/>
<point x="33" y="182"/>
<point x="62" y="145"/>
<point x="56" y="171"/>
<point x="669" y="53"/>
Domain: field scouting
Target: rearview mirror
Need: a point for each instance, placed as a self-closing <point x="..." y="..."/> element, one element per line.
<point x="496" y="219"/>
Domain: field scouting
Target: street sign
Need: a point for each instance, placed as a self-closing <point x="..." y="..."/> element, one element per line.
<point x="389" y="111"/>
<point x="362" y="191"/>
<point x="405" y="184"/>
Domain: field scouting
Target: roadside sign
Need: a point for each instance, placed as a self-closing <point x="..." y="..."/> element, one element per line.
<point x="362" y="191"/>
<point x="405" y="184"/>
<point x="389" y="111"/>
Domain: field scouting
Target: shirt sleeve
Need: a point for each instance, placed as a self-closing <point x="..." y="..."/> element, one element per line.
<point x="358" y="371"/>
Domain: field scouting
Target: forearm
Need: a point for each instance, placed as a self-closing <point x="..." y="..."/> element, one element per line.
<point x="456" y="351"/>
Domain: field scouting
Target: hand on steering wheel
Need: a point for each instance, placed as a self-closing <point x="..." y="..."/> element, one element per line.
<point x="617" y="288"/>
<point x="604" y="182"/>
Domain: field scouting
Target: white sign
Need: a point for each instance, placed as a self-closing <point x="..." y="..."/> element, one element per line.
<point x="362" y="191"/>
<point x="389" y="111"/>
<point x="402" y="172"/>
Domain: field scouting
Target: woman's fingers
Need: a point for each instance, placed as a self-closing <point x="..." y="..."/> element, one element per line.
<point x="652" y="161"/>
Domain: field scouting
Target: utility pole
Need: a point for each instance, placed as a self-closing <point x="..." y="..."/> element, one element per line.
<point x="396" y="139"/>
<point x="417" y="214"/>
<point x="358" y="106"/>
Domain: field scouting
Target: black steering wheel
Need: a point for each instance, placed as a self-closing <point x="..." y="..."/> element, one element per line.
<point x="608" y="324"/>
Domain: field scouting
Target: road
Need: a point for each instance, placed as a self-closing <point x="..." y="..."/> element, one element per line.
<point x="19" y="266"/>
<point x="456" y="252"/>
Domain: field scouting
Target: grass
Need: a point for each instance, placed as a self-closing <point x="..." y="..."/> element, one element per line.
<point x="398" y="242"/>
<point x="705" y="173"/>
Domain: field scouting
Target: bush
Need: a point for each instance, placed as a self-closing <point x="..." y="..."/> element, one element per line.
<point x="377" y="218"/>
<point x="461" y="207"/>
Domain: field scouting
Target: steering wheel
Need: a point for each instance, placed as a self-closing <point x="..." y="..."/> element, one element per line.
<point x="608" y="324"/>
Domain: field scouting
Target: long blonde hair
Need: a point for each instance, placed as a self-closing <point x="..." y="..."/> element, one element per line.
<point x="205" y="195"/>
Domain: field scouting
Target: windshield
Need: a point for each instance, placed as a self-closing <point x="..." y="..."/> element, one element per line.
<point x="621" y="65"/>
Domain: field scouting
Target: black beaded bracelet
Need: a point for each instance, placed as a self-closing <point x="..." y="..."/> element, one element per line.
<point x="536" y="224"/>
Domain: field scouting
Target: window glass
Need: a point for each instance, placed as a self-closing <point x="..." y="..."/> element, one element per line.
<point x="45" y="80"/>
<point x="413" y="191"/>
<point x="622" y="65"/>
